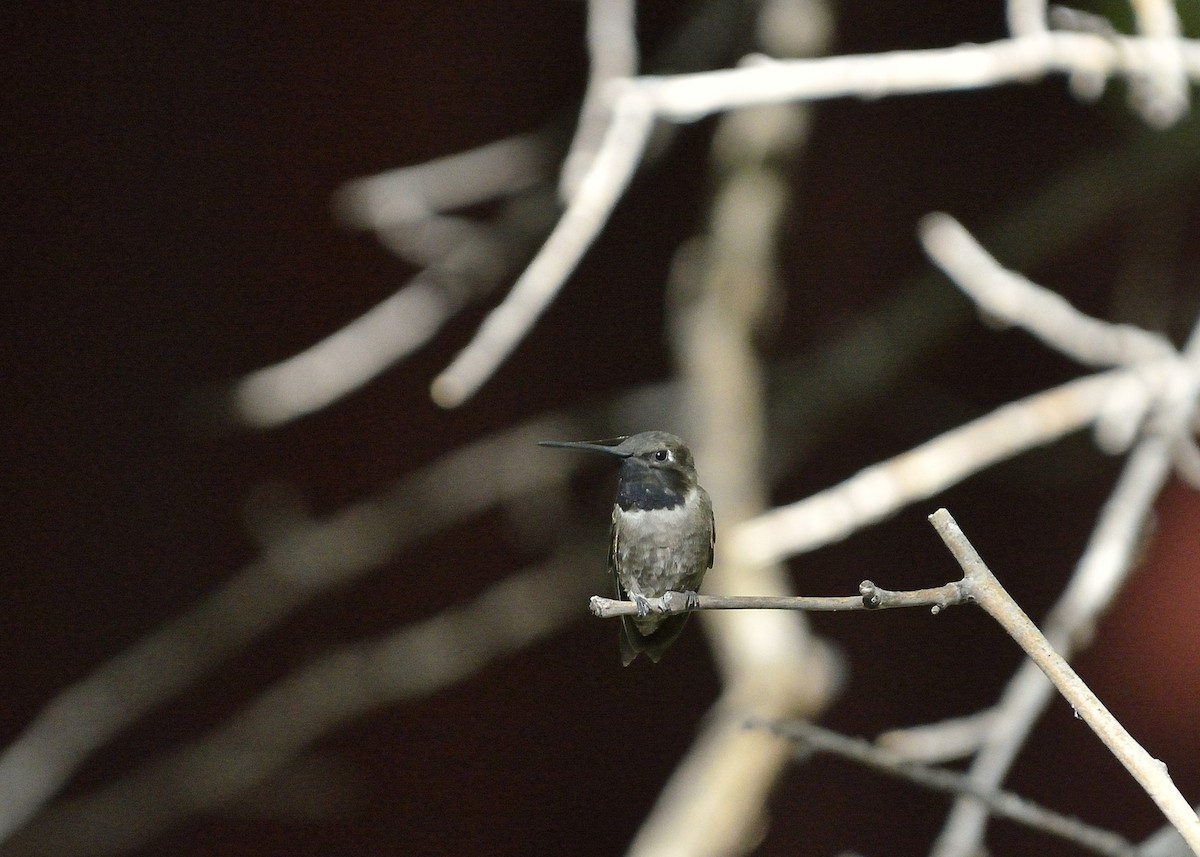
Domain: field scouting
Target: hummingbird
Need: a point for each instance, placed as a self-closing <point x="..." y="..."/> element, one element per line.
<point x="663" y="533"/>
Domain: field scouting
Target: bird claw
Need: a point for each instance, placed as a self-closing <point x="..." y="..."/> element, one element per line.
<point x="643" y="606"/>
<point x="693" y="599"/>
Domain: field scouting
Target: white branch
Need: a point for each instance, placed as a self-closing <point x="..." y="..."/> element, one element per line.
<point x="613" y="53"/>
<point x="585" y="216"/>
<point x="888" y="486"/>
<point x="689" y="97"/>
<point x="489" y="172"/>
<point x="1026" y="17"/>
<point x="297" y="567"/>
<point x="1160" y="94"/>
<point x="1017" y="301"/>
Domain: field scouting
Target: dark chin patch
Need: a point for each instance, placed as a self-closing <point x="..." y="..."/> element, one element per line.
<point x="648" y="489"/>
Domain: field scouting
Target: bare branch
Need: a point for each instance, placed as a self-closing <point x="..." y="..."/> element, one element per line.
<point x="1025" y="17"/>
<point x="685" y="98"/>
<point x="812" y="738"/>
<point x="1100" y="571"/>
<point x="953" y="738"/>
<point x="468" y="262"/>
<point x="884" y="488"/>
<point x="1150" y="773"/>
<point x="613" y="51"/>
<point x="1160" y="94"/>
<point x="287" y="718"/>
<point x="489" y="172"/>
<point x="871" y="597"/>
<point x="298" y="566"/>
<point x="585" y="216"/>
<point x="1015" y="300"/>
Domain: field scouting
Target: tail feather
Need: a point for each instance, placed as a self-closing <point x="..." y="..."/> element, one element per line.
<point x="633" y="642"/>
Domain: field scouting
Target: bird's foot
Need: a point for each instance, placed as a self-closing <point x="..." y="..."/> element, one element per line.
<point x="680" y="601"/>
<point x="643" y="606"/>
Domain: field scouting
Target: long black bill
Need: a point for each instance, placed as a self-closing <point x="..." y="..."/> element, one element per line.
<point x="611" y="446"/>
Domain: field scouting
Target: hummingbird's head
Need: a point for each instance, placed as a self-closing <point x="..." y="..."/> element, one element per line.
<point x="654" y="449"/>
<point x="657" y="470"/>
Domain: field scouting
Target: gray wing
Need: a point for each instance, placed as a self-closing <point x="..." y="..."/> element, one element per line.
<point x="712" y="535"/>
<point x="624" y="638"/>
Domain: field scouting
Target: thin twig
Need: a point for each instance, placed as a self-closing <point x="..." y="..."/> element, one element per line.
<point x="870" y="597"/>
<point x="1002" y="804"/>
<point x="1150" y="773"/>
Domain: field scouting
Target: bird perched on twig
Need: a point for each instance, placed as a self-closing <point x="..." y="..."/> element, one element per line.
<point x="663" y="533"/>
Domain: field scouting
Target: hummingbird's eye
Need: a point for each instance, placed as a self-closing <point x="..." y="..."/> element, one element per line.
<point x="661" y="455"/>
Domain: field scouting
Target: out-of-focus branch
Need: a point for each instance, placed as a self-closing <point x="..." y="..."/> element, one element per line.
<point x="296" y="567"/>
<point x="279" y="726"/>
<point x="461" y="261"/>
<point x="1150" y="773"/>
<point x="812" y="738"/>
<point x="613" y="53"/>
<point x="685" y="98"/>
<point x="1025" y="17"/>
<point x="1007" y="295"/>
<point x="1160" y="94"/>
<point x="586" y="213"/>
<point x="884" y="488"/>
<point x="635" y="102"/>
<point x="953" y="738"/>
<point x="411" y="194"/>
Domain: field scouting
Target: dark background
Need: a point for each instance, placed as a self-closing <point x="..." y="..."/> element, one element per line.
<point x="167" y="210"/>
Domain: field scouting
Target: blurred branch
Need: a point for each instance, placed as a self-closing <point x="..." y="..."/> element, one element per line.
<point x="982" y="587"/>
<point x="811" y="738"/>
<point x="1160" y="93"/>
<point x="635" y="102"/>
<point x="613" y="53"/>
<point x="685" y="98"/>
<point x="1025" y="17"/>
<point x="297" y="567"/>
<point x="1006" y="295"/>
<point x="952" y="738"/>
<point x="884" y="488"/>
<point x="285" y="720"/>
<point x="586" y="213"/>
<point x="461" y="260"/>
